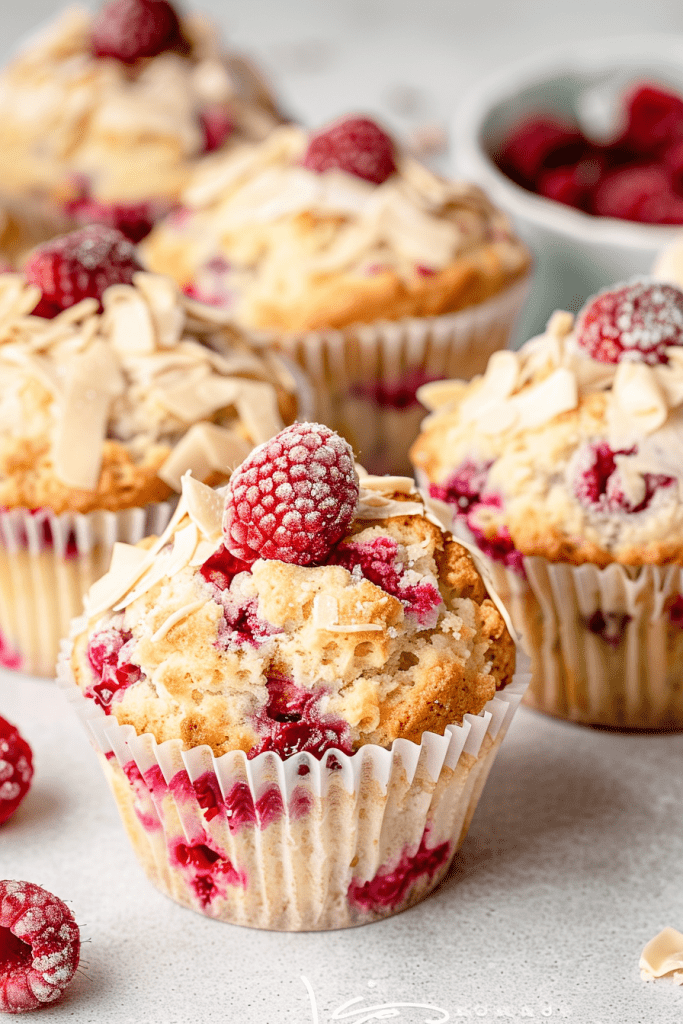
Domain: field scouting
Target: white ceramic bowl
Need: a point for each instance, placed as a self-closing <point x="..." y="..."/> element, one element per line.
<point x="576" y="253"/>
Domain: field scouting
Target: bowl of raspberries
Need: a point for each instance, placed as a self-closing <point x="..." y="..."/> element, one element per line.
<point x="583" y="146"/>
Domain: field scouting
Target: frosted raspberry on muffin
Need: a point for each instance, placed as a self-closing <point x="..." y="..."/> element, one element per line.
<point x="107" y="113"/>
<point x="316" y="623"/>
<point x="283" y="671"/>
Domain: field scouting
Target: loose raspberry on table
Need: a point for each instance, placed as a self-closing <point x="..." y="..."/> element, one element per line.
<point x="39" y="947"/>
<point x="293" y="498"/>
<point x="80" y="265"/>
<point x="598" y="485"/>
<point x="356" y="145"/>
<point x="131" y="29"/>
<point x="16" y="769"/>
<point x="636" y="321"/>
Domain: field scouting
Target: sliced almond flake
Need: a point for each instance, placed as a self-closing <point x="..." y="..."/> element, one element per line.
<point x="166" y="565"/>
<point x="257" y="408"/>
<point x="173" y="620"/>
<point x="42" y="369"/>
<point x="125" y="559"/>
<point x="636" y="399"/>
<point x="204" y="550"/>
<point x="128" y="321"/>
<point x="94" y="381"/>
<point x="80" y="312"/>
<point x="205" y="507"/>
<point x="161" y="294"/>
<point x="663" y="954"/>
<point x="355" y="627"/>
<point x="16" y="299"/>
<point x="389" y="484"/>
<point x="325" y="611"/>
<point x="199" y="397"/>
<point x="119" y="583"/>
<point x="205" y="448"/>
<point x="440" y="393"/>
<point x="389" y="509"/>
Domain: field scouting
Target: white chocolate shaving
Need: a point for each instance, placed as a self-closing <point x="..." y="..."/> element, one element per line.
<point x="325" y="611"/>
<point x="638" y="403"/>
<point x="355" y="627"/>
<point x="175" y="618"/>
<point x="258" y="410"/>
<point x="128" y="321"/>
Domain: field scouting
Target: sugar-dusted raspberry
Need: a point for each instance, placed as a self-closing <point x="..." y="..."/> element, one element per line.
<point x="130" y="29"/>
<point x="39" y="947"/>
<point x="655" y="118"/>
<point x="216" y="125"/>
<point x="598" y="485"/>
<point x="464" y="486"/>
<point x="16" y="769"/>
<point x="637" y="321"/>
<point x="293" y="498"/>
<point x="354" y="144"/>
<point x="80" y="265"/>
<point x="538" y="145"/>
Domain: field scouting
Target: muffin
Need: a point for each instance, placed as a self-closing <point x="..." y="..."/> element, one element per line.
<point x="296" y="692"/>
<point x="564" y="463"/>
<point x="105" y="115"/>
<point x="372" y="272"/>
<point x="100" y="415"/>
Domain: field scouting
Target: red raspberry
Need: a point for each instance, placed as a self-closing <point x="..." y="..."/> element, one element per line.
<point x="293" y="498"/>
<point x="636" y="321"/>
<point x="134" y="220"/>
<point x="356" y="145"/>
<point x="655" y="118"/>
<point x="80" y="265"/>
<point x="623" y="192"/>
<point x="130" y="29"/>
<point x="16" y="769"/>
<point x="598" y="486"/>
<point x="538" y="145"/>
<point x="39" y="947"/>
<point x="217" y="125"/>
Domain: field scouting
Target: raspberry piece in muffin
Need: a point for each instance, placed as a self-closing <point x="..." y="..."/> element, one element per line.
<point x="600" y="487"/>
<point x="636" y="321"/>
<point x="39" y="947"/>
<point x="356" y="145"/>
<point x="16" y="769"/>
<point x="293" y="498"/>
<point x="129" y="30"/>
<point x="80" y="265"/>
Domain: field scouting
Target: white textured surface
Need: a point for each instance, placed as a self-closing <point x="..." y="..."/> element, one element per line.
<point x="571" y="865"/>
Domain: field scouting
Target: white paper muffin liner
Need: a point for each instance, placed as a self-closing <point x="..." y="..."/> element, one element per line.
<point x="606" y="645"/>
<point x="365" y="377"/>
<point x="48" y="562"/>
<point x="297" y="844"/>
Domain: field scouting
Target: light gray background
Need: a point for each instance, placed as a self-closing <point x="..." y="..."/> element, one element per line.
<point x="574" y="856"/>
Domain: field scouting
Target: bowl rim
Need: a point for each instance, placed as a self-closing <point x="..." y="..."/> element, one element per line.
<point x="489" y="92"/>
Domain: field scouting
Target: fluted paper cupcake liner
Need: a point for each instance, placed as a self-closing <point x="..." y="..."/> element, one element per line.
<point x="47" y="564"/>
<point x="297" y="844"/>
<point x="365" y="377"/>
<point x="606" y="645"/>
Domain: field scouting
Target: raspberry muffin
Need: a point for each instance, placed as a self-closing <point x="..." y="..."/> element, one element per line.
<point x="114" y="385"/>
<point x="374" y="273"/>
<point x="564" y="463"/>
<point x="296" y="691"/>
<point x="105" y="115"/>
